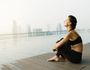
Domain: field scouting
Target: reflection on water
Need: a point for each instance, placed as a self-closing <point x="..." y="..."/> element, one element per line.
<point x="13" y="49"/>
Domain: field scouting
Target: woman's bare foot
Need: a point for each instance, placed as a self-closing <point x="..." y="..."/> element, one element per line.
<point x="54" y="58"/>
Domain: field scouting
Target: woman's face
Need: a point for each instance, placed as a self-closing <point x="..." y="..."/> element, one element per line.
<point x="67" y="22"/>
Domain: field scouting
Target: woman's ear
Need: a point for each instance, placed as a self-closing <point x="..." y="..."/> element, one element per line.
<point x="69" y="23"/>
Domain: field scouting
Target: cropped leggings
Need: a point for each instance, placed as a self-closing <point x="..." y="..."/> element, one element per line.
<point x="71" y="55"/>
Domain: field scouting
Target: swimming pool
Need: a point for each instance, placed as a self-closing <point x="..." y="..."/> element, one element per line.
<point x="18" y="48"/>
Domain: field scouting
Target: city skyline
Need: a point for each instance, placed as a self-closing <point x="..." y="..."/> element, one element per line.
<point x="18" y="29"/>
<point x="42" y="13"/>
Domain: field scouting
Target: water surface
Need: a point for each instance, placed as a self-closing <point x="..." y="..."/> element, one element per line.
<point x="17" y="48"/>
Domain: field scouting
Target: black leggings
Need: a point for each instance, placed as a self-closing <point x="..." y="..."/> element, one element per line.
<point x="71" y="55"/>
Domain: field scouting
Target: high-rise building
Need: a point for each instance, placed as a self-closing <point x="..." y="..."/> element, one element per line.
<point x="14" y="27"/>
<point x="29" y="30"/>
<point x="59" y="28"/>
<point x="37" y="32"/>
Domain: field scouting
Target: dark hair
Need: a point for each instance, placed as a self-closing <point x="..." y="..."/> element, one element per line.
<point x="73" y="21"/>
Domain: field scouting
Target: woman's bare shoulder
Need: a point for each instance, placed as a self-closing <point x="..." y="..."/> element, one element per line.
<point x="74" y="33"/>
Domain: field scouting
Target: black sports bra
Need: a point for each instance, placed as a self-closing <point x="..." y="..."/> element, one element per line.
<point x="76" y="41"/>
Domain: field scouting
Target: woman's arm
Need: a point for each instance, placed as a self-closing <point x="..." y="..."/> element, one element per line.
<point x="65" y="39"/>
<point x="59" y="40"/>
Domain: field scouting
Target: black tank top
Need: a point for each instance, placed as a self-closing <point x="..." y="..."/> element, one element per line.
<point x="78" y="40"/>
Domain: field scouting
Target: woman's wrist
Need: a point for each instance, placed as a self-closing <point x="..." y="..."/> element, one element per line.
<point x="54" y="50"/>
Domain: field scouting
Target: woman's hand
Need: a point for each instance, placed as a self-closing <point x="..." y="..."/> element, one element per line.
<point x="53" y="50"/>
<point x="55" y="47"/>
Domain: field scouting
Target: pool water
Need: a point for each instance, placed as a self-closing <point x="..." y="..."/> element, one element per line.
<point x="18" y="48"/>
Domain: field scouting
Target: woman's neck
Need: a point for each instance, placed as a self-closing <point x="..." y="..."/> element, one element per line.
<point x="69" y="29"/>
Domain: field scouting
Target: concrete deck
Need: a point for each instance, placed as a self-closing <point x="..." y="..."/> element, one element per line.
<point x="40" y="63"/>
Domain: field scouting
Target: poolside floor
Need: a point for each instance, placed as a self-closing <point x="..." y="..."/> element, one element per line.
<point x="40" y="62"/>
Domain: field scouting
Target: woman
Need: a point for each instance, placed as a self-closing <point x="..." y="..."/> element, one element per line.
<point x="69" y="47"/>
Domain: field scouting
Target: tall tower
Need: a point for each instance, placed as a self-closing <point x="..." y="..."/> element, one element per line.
<point x="29" y="30"/>
<point x="48" y="29"/>
<point x="59" y="28"/>
<point x="14" y="29"/>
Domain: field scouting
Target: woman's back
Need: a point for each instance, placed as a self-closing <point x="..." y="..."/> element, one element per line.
<point x="76" y="41"/>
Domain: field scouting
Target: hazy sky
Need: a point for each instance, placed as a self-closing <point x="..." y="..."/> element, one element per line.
<point x="40" y="13"/>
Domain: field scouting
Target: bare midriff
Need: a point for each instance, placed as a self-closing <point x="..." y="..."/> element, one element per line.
<point x="77" y="47"/>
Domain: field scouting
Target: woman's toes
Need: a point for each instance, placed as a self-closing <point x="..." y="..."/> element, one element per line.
<point x="53" y="59"/>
